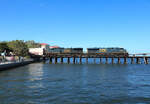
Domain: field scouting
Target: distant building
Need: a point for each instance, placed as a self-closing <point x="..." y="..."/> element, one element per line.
<point x="44" y="46"/>
<point x="36" y="51"/>
<point x="54" y="47"/>
<point x="39" y="51"/>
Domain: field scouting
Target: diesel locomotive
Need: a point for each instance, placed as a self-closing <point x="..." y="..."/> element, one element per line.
<point x="121" y="52"/>
<point x="66" y="50"/>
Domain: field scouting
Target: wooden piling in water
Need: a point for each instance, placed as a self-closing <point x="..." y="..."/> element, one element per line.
<point x="68" y="60"/>
<point x="100" y="60"/>
<point x="106" y="60"/>
<point x="61" y="60"/>
<point x="74" y="59"/>
<point x="87" y="60"/>
<point x="80" y="60"/>
<point x="118" y="60"/>
<point x="145" y="60"/>
<point x="112" y="60"/>
<point x="55" y="60"/>
<point x="50" y="60"/>
<point x="137" y="60"/>
<point x="94" y="60"/>
<point x="125" y="60"/>
<point x="132" y="60"/>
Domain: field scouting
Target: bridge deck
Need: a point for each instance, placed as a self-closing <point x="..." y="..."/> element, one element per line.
<point x="91" y="55"/>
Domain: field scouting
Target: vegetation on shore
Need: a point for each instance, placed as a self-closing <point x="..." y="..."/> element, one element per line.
<point x="18" y="47"/>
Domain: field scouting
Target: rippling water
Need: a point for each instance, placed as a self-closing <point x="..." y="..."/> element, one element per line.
<point x="43" y="83"/>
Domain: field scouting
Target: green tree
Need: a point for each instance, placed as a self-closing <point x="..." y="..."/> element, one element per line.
<point x="32" y="44"/>
<point x="18" y="47"/>
<point x="4" y="47"/>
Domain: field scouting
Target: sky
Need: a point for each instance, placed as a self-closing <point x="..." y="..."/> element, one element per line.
<point x="78" y="23"/>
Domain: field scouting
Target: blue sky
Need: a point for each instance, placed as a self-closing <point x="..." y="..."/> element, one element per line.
<point x="78" y="23"/>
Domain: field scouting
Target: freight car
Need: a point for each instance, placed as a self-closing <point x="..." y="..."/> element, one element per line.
<point x="73" y="50"/>
<point x="121" y="52"/>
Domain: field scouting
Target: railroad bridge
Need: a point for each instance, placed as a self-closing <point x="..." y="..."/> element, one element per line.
<point x="134" y="58"/>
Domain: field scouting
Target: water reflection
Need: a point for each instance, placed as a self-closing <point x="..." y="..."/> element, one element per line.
<point x="35" y="76"/>
<point x="44" y="83"/>
<point x="35" y="72"/>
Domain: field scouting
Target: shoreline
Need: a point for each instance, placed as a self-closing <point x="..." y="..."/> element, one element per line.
<point x="6" y="66"/>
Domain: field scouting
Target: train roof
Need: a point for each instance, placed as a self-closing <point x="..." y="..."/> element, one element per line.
<point x="106" y="48"/>
<point x="73" y="48"/>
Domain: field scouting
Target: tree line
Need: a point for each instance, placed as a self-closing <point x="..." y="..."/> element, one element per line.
<point x="18" y="47"/>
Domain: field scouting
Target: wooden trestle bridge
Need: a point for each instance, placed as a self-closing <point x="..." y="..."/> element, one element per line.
<point x="132" y="58"/>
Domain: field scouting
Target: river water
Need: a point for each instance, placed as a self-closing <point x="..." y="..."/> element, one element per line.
<point x="44" y="83"/>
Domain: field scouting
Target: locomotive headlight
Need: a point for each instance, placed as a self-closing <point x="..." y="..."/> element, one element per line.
<point x="102" y="50"/>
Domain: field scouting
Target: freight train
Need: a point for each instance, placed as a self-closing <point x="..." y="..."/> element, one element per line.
<point x="121" y="52"/>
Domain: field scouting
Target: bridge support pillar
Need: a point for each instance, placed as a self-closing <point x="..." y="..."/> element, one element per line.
<point x="132" y="60"/>
<point x="106" y="60"/>
<point x="50" y="60"/>
<point x="61" y="60"/>
<point x="80" y="60"/>
<point x="87" y="60"/>
<point x="118" y="60"/>
<point x="74" y="60"/>
<point x="145" y="60"/>
<point x="68" y="60"/>
<point x="55" y="60"/>
<point x="94" y="60"/>
<point x="100" y="60"/>
<point x="125" y="60"/>
<point x="112" y="60"/>
<point x="138" y="60"/>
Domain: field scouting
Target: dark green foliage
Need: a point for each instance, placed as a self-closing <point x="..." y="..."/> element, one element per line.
<point x="18" y="47"/>
<point x="4" y="47"/>
<point x="32" y="44"/>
